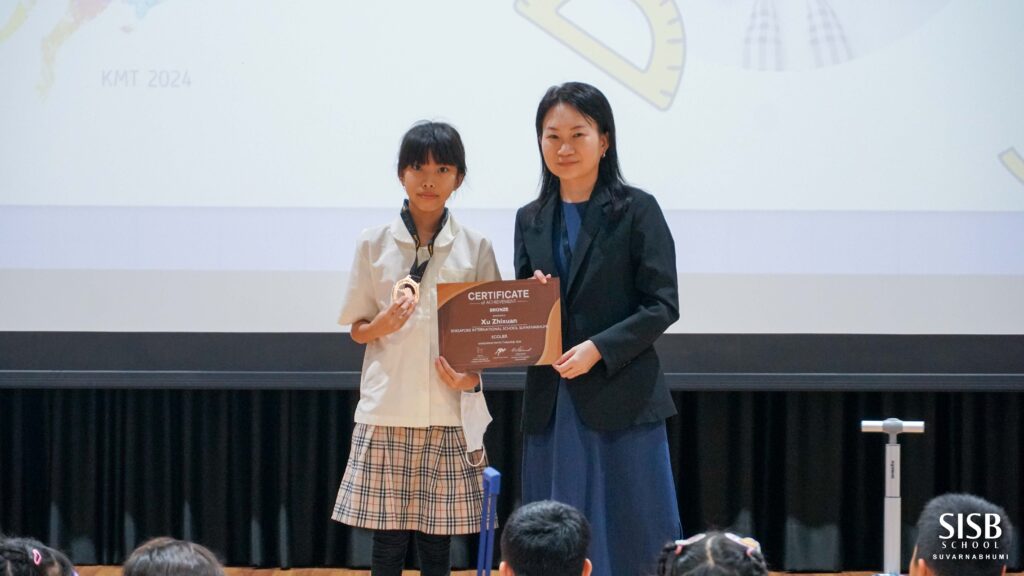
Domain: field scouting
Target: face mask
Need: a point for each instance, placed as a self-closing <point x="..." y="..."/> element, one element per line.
<point x="475" y="418"/>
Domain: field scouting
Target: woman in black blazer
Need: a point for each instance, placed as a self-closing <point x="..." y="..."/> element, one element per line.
<point x="594" y="421"/>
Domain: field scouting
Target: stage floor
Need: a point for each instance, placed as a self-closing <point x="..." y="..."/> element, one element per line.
<point x="116" y="571"/>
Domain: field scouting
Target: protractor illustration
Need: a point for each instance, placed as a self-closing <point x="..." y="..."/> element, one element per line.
<point x="16" y="19"/>
<point x="659" y="82"/>
<point x="1014" y="163"/>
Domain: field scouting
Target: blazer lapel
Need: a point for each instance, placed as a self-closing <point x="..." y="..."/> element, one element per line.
<point x="593" y="221"/>
<point x="538" y="240"/>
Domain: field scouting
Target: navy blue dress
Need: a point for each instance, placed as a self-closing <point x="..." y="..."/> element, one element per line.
<point x="622" y="480"/>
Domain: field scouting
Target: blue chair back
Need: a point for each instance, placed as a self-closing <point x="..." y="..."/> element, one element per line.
<point x="488" y="521"/>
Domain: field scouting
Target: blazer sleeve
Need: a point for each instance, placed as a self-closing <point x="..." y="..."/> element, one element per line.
<point x="653" y="254"/>
<point x="521" y="260"/>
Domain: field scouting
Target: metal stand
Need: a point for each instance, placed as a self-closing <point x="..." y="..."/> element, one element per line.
<point x="891" y="528"/>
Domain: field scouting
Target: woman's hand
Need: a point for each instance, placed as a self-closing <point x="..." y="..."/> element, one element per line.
<point x="541" y="277"/>
<point x="578" y="360"/>
<point x="463" y="381"/>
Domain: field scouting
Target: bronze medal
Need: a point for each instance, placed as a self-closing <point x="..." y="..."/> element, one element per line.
<point x="406" y="286"/>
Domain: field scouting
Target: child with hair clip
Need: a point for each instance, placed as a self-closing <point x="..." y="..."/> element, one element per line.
<point x="712" y="554"/>
<point x="409" y="474"/>
<point x="30" y="557"/>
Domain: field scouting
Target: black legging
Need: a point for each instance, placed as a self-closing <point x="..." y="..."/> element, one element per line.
<point x="389" y="548"/>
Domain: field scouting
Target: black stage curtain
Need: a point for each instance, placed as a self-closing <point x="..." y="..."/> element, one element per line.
<point x="253" y="474"/>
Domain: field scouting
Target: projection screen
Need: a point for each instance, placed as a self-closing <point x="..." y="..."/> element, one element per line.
<point x="826" y="166"/>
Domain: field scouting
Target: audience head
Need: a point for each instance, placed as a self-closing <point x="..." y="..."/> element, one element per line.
<point x="29" y="557"/>
<point x="712" y="554"/>
<point x="545" y="539"/>
<point x="170" y="557"/>
<point x="961" y="535"/>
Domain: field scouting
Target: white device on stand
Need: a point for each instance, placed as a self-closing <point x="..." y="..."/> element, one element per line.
<point x="891" y="528"/>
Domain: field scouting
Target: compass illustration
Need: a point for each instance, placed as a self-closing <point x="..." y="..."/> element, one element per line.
<point x="658" y="82"/>
<point x="1014" y="163"/>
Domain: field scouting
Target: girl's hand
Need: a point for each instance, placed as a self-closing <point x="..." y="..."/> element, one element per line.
<point x="578" y="360"/>
<point x="540" y="276"/>
<point x="392" y="318"/>
<point x="456" y="380"/>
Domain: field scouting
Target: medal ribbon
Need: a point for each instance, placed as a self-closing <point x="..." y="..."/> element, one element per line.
<point x="418" y="268"/>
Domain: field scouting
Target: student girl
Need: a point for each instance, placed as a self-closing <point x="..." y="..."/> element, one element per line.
<point x="409" y="474"/>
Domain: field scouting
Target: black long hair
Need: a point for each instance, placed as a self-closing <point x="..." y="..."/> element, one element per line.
<point x="592" y="104"/>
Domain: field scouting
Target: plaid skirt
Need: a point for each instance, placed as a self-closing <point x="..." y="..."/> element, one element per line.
<point x="411" y="479"/>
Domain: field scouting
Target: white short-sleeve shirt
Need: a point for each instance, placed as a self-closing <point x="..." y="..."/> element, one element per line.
<point x="400" y="385"/>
